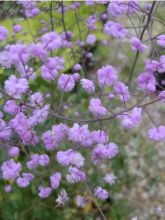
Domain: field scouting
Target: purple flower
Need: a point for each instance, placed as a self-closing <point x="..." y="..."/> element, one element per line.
<point x="11" y="107"/>
<point x="75" y="175"/>
<point x="53" y="65"/>
<point x="77" y="67"/>
<point x="22" y="182"/>
<point x="5" y="132"/>
<point x="161" y="64"/>
<point x="7" y="188"/>
<point x="147" y="82"/>
<point x="30" y="8"/>
<point x="34" y="162"/>
<point x="24" y="129"/>
<point x="18" y="54"/>
<point x="117" y="8"/>
<point x="70" y="157"/>
<point x="39" y="115"/>
<point x="38" y="50"/>
<point x="51" y="41"/>
<point x="137" y="45"/>
<point x="17" y="28"/>
<point x="101" y="193"/>
<point x="122" y="90"/>
<point x="55" y="180"/>
<point x="10" y="169"/>
<point x="36" y="99"/>
<point x="44" y="192"/>
<point x="3" y="33"/>
<point x="111" y="96"/>
<point x="88" y="85"/>
<point x="131" y="120"/>
<point x="44" y="160"/>
<point x="96" y="107"/>
<point x="161" y="40"/>
<point x="92" y="22"/>
<point x="78" y="134"/>
<point x="114" y="29"/>
<point x="162" y="96"/>
<point x="110" y="178"/>
<point x="157" y="133"/>
<point x="76" y="76"/>
<point x="91" y="39"/>
<point x="53" y="138"/>
<point x="66" y="82"/>
<point x="62" y="198"/>
<point x="151" y="66"/>
<point x="82" y="201"/>
<point x="16" y="87"/>
<point x="107" y="75"/>
<point x="99" y="137"/>
<point x="102" y="152"/>
<point x="28" y="176"/>
<point x="14" y="151"/>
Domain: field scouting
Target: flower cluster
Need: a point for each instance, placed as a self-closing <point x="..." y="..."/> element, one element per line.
<point x="39" y="93"/>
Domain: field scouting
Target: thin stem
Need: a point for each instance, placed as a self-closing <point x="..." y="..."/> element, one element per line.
<point x="141" y="37"/>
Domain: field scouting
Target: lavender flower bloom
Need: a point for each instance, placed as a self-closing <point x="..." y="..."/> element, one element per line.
<point x="36" y="99"/>
<point x="7" y="188"/>
<point x="5" y="132"/>
<point x="51" y="41"/>
<point x="22" y="182"/>
<point x="161" y="64"/>
<point x="137" y="45"/>
<point x="70" y="157"/>
<point x="14" y="151"/>
<point x="91" y="39"/>
<point x="43" y="160"/>
<point x="81" y="201"/>
<point x="75" y="175"/>
<point x="110" y="178"/>
<point x="162" y="96"/>
<point x="88" y="85"/>
<point x="52" y="66"/>
<point x="44" y="192"/>
<point x="161" y="40"/>
<point x="101" y="193"/>
<point x="53" y="138"/>
<point x="131" y="120"/>
<point x="16" y="87"/>
<point x="78" y="133"/>
<point x="11" y="107"/>
<point x="55" y="180"/>
<point x="17" y="28"/>
<point x="3" y="33"/>
<point x="38" y="50"/>
<point x="102" y="152"/>
<point x="66" y="82"/>
<point x="114" y="29"/>
<point x="96" y="107"/>
<point x="151" y="66"/>
<point x="62" y="198"/>
<point x="147" y="82"/>
<point x="92" y="22"/>
<point x="10" y="169"/>
<point x="117" y="8"/>
<point x="107" y="75"/>
<point x="122" y="90"/>
<point x="34" y="162"/>
<point x="77" y="67"/>
<point x="157" y="134"/>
